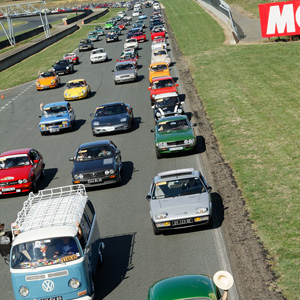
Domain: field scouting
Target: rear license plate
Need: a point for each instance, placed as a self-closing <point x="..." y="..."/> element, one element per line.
<point x="54" y="129"/>
<point x="53" y="298"/>
<point x="8" y="189"/>
<point x="175" y="148"/>
<point x="94" y="180"/>
<point x="181" y="222"/>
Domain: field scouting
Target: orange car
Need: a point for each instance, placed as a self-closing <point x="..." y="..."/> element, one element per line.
<point x="158" y="69"/>
<point x="47" y="80"/>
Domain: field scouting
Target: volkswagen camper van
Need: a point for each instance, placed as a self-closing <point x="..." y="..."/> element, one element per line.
<point x="56" y="246"/>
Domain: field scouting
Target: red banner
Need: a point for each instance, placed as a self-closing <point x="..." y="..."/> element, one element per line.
<point x="280" y="19"/>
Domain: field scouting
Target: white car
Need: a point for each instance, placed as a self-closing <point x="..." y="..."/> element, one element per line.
<point x="98" y="55"/>
<point x="127" y="18"/>
<point x="131" y="43"/>
<point x="136" y="13"/>
<point x="160" y="55"/>
<point x="159" y="28"/>
<point x="159" y="43"/>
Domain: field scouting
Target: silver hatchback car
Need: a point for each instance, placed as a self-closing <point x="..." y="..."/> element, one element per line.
<point x="179" y="199"/>
<point x="125" y="71"/>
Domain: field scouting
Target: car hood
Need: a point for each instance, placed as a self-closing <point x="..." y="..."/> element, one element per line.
<point x="159" y="58"/>
<point x="175" y="135"/>
<point x="167" y="109"/>
<point x="46" y="81"/>
<point x="109" y="120"/>
<point x="170" y="89"/>
<point x="55" y="118"/>
<point x="183" y="205"/>
<point x="60" y="67"/>
<point x="75" y="91"/>
<point x="93" y="165"/>
<point x="130" y="71"/>
<point x="15" y="173"/>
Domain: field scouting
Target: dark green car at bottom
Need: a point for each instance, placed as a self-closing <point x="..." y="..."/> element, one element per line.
<point x="174" y="134"/>
<point x="200" y="287"/>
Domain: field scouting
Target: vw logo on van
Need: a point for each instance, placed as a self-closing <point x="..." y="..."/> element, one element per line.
<point x="48" y="285"/>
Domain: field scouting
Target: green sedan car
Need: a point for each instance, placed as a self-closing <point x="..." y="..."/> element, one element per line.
<point x="99" y="30"/>
<point x="200" y="287"/>
<point x="108" y="25"/>
<point x="174" y="134"/>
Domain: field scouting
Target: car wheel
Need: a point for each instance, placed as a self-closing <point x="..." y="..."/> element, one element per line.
<point x="116" y="83"/>
<point x="34" y="187"/>
<point x="43" y="173"/>
<point x="155" y="230"/>
<point x="43" y="133"/>
<point x="158" y="154"/>
<point x="92" y="62"/>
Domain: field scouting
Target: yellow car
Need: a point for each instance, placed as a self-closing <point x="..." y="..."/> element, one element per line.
<point x="157" y="70"/>
<point x="77" y="89"/>
<point x="47" y="80"/>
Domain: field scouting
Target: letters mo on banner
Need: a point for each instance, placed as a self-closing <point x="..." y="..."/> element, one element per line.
<point x="280" y="19"/>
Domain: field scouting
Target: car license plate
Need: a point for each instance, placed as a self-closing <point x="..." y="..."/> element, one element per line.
<point x="94" y="180"/>
<point x="181" y="222"/>
<point x="175" y="148"/>
<point x="110" y="128"/>
<point x="53" y="298"/>
<point x="8" y="189"/>
<point x="54" y="129"/>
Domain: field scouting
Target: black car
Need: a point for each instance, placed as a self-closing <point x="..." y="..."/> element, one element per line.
<point x="110" y="117"/>
<point x="85" y="44"/>
<point x="97" y="163"/>
<point x="112" y="37"/>
<point x="63" y="66"/>
<point x="166" y="105"/>
<point x="154" y="23"/>
<point x="132" y="31"/>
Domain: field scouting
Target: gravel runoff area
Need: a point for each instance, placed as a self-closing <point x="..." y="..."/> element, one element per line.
<point x="253" y="276"/>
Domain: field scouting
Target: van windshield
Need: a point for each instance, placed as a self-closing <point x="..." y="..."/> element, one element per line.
<point x="43" y="253"/>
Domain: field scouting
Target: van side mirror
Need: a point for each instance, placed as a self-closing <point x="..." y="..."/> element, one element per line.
<point x="71" y="159"/>
<point x="209" y="188"/>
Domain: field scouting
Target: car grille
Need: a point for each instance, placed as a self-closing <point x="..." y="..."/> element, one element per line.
<point x="7" y="183"/>
<point x="92" y="175"/>
<point x="176" y="143"/>
<point x="54" y="124"/>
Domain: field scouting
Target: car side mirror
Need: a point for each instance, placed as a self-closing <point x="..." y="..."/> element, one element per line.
<point x="194" y="124"/>
<point x="118" y="151"/>
<point x="112" y="70"/>
<point x="209" y="189"/>
<point x="177" y="84"/>
<point x="149" y="88"/>
<point x="35" y="161"/>
<point x="152" y="130"/>
<point x="71" y="159"/>
<point x="40" y="116"/>
<point x="91" y="114"/>
<point x="148" y="197"/>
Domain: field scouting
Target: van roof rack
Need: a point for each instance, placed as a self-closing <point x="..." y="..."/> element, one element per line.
<point x="51" y="207"/>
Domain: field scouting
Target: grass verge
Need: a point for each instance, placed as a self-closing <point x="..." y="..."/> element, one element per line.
<point x="251" y="96"/>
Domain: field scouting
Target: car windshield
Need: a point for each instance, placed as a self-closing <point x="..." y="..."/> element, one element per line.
<point x="84" y="41"/>
<point x="159" y="52"/>
<point x="124" y="67"/>
<point x="178" y="187"/>
<point x="98" y="51"/>
<point x="77" y="84"/>
<point x="162" y="84"/>
<point x="92" y="153"/>
<point x="69" y="55"/>
<point x="166" y="126"/>
<point x="12" y="161"/>
<point x="62" y="63"/>
<point x="127" y="56"/>
<point x="110" y="110"/>
<point x="91" y="34"/>
<point x="54" y="110"/>
<point x="47" y="74"/>
<point x="98" y="28"/>
<point x="168" y="101"/>
<point x="43" y="253"/>
<point x="158" y="68"/>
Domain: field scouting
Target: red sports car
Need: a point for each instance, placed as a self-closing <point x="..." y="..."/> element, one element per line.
<point x="19" y="170"/>
<point x="157" y="33"/>
<point x="139" y="36"/>
<point x="161" y="85"/>
<point x="72" y="58"/>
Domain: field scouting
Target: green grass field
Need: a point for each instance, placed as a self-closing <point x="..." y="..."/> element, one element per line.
<point x="251" y="96"/>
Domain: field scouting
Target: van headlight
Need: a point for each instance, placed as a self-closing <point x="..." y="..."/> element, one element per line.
<point x="74" y="283"/>
<point x="24" y="291"/>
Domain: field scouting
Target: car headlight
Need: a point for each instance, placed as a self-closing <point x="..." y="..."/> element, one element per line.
<point x="67" y="68"/>
<point x="52" y="81"/>
<point x="66" y="94"/>
<point x="158" y="114"/>
<point x="65" y="122"/>
<point x="201" y="210"/>
<point x="22" y="181"/>
<point x="74" y="283"/>
<point x="96" y="123"/>
<point x="37" y="83"/>
<point x="123" y="120"/>
<point x="191" y="141"/>
<point x="179" y="110"/>
<point x="106" y="172"/>
<point x="160" y="216"/>
<point x="24" y="291"/>
<point x="78" y="176"/>
<point x="42" y="125"/>
<point x="111" y="171"/>
<point x="83" y="91"/>
<point x="53" y="70"/>
<point x="161" y="145"/>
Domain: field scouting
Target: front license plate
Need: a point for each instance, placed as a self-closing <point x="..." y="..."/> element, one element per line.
<point x="110" y="128"/>
<point x="8" y="189"/>
<point x="175" y="148"/>
<point x="54" y="129"/>
<point x="181" y="222"/>
<point x="53" y="298"/>
<point x="94" y="180"/>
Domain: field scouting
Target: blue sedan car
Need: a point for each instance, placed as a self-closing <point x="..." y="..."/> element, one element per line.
<point x="56" y="117"/>
<point x="141" y="17"/>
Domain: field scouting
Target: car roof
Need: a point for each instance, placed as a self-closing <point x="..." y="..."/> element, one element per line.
<point x="110" y="104"/>
<point x="172" y="118"/>
<point x="124" y="62"/>
<point x="95" y="143"/>
<point x="17" y="151"/>
<point x="165" y="95"/>
<point x="183" y="287"/>
<point x="56" y="104"/>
